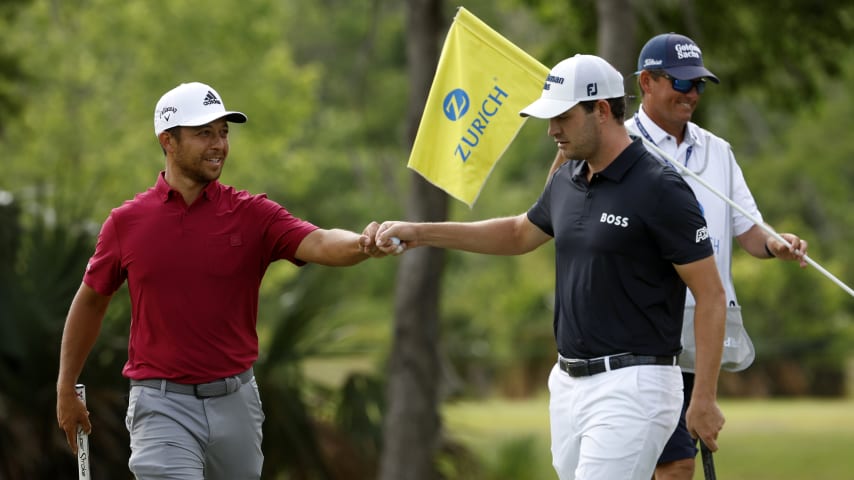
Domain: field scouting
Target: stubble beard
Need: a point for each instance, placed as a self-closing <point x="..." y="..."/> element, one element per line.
<point x="196" y="170"/>
<point x="585" y="144"/>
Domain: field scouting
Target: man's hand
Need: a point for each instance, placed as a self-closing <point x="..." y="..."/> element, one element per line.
<point x="395" y="237"/>
<point x="367" y="241"/>
<point x="71" y="412"/>
<point x="704" y="421"/>
<point x="779" y="249"/>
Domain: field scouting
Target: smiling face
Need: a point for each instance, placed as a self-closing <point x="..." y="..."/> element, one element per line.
<point x="669" y="109"/>
<point x="198" y="154"/>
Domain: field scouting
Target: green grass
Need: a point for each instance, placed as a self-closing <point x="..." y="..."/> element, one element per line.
<point x="800" y="439"/>
<point x="786" y="439"/>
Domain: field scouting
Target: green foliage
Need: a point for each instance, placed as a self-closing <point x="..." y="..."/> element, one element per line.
<point x="784" y="104"/>
<point x="89" y="110"/>
<point x="571" y="28"/>
<point x="324" y="85"/>
<point x="784" y="44"/>
<point x="45" y="248"/>
<point x="310" y="429"/>
<point x="803" y="184"/>
<point x="11" y="72"/>
<point x="88" y="115"/>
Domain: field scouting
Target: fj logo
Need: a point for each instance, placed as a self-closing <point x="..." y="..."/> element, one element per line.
<point x="702" y="234"/>
<point x="592" y="89"/>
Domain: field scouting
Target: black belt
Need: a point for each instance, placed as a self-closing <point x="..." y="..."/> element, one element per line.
<point x="585" y="368"/>
<point x="217" y="388"/>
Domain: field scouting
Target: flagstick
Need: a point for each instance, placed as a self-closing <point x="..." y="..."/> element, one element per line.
<point x="762" y="225"/>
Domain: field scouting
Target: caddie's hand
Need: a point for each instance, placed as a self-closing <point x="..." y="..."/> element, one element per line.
<point x="71" y="412"/>
<point x="395" y="237"/>
<point x="779" y="249"/>
<point x="366" y="241"/>
<point x="704" y="421"/>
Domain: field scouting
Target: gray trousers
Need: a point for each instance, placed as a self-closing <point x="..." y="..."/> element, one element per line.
<point x="180" y="437"/>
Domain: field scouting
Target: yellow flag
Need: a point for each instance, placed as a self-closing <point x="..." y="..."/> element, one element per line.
<point x="472" y="111"/>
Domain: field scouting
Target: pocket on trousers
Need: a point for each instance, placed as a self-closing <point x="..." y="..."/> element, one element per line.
<point x="258" y="397"/>
<point x="661" y="390"/>
<point x="133" y="398"/>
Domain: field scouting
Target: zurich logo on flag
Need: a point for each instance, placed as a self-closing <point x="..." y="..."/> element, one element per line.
<point x="456" y="104"/>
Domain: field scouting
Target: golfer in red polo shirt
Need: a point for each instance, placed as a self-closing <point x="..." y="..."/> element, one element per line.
<point x="193" y="252"/>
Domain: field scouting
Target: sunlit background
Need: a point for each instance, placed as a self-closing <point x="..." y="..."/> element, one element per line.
<point x="326" y="88"/>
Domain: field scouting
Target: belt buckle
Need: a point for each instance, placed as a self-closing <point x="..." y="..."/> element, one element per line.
<point x="223" y="386"/>
<point x="196" y="391"/>
<point x="207" y="386"/>
<point x="578" y="368"/>
<point x="232" y="384"/>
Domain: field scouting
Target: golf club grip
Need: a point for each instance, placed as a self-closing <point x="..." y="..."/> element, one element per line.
<point x="83" y="472"/>
<point x="708" y="462"/>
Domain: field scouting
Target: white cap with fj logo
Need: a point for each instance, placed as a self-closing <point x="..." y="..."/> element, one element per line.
<point x="576" y="79"/>
<point x="191" y="105"/>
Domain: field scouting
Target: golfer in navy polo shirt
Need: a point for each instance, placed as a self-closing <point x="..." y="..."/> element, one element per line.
<point x="193" y="252"/>
<point x="629" y="237"/>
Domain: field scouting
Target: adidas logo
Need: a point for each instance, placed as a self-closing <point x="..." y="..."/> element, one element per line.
<point x="210" y="99"/>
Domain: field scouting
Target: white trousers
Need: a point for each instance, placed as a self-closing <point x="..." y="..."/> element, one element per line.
<point x="612" y="425"/>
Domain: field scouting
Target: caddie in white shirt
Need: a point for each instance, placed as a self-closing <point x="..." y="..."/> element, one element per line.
<point x="672" y="77"/>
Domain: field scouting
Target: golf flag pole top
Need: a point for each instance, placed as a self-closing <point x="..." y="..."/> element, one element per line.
<point x="472" y="111"/>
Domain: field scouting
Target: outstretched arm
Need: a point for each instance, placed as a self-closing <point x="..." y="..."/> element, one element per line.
<point x="337" y="247"/>
<point x="497" y="236"/>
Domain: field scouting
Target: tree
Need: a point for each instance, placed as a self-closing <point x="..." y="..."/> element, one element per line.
<point x="615" y="36"/>
<point x="43" y="254"/>
<point x="10" y="65"/>
<point x="412" y="423"/>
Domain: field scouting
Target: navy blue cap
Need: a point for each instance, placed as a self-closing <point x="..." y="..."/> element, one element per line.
<point x="677" y="55"/>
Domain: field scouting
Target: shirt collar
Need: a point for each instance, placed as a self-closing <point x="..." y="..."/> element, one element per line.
<point x="165" y="192"/>
<point x="162" y="188"/>
<point x="624" y="161"/>
<point x="617" y="169"/>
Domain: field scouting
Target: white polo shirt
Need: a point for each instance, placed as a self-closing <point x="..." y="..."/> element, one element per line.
<point x="711" y="158"/>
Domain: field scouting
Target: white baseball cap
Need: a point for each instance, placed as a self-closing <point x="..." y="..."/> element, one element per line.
<point x="191" y="105"/>
<point x="576" y="79"/>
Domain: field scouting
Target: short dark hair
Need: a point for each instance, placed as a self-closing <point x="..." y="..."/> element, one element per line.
<point x="617" y="104"/>
<point x="175" y="132"/>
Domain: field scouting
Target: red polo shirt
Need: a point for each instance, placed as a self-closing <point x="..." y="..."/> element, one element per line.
<point x="193" y="273"/>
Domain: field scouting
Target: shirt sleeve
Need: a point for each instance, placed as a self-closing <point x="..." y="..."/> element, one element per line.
<point x="284" y="233"/>
<point x="678" y="223"/>
<point x="104" y="272"/>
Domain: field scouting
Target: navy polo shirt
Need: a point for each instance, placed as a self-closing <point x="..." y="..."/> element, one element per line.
<point x="616" y="240"/>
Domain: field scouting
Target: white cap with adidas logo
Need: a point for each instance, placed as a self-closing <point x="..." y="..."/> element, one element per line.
<point x="191" y="105"/>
